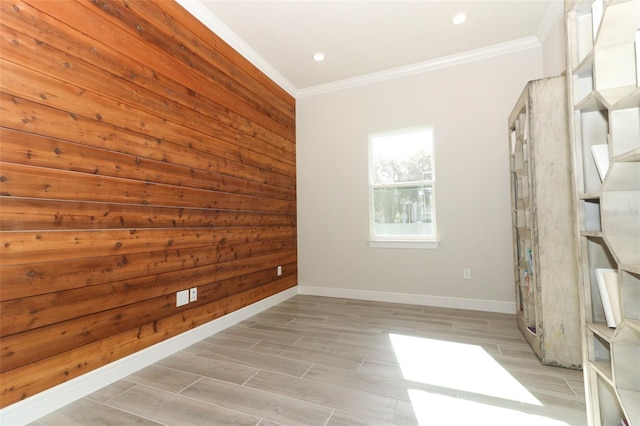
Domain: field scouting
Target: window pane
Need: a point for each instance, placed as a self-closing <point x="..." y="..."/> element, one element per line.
<point x="406" y="210"/>
<point x="402" y="157"/>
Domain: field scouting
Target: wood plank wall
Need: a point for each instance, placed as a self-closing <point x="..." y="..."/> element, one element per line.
<point x="139" y="156"/>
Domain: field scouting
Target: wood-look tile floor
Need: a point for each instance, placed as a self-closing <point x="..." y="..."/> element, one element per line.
<point x="324" y="361"/>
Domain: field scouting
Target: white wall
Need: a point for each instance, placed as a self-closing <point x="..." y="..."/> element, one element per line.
<point x="468" y="106"/>
<point x="553" y="46"/>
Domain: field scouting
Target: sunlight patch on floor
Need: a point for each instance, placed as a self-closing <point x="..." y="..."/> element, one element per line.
<point x="457" y="366"/>
<point x="435" y="409"/>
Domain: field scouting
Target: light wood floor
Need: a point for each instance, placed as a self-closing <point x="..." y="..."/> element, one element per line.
<point x="323" y="361"/>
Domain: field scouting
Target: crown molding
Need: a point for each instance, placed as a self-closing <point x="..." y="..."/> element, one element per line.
<point x="421" y="67"/>
<point x="211" y="21"/>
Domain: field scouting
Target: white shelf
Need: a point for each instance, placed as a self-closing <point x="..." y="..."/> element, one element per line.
<point x="625" y="130"/>
<point x="604" y="77"/>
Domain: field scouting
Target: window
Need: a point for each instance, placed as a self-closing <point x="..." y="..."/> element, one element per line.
<point x="401" y="189"/>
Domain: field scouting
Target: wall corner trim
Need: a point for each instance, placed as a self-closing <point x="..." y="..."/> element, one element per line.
<point x="39" y="405"/>
<point x="412" y="299"/>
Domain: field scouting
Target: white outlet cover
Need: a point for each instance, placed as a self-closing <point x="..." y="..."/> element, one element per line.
<point x="182" y="298"/>
<point x="193" y="294"/>
<point x="279" y="270"/>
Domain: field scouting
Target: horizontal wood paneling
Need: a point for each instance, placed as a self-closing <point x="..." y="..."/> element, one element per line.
<point x="70" y="364"/>
<point x="139" y="156"/>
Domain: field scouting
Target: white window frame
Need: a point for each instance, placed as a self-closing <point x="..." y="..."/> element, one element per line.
<point x="402" y="241"/>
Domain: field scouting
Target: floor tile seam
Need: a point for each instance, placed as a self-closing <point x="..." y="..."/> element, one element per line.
<point x="259" y="330"/>
<point x="249" y="378"/>
<point x="486" y="331"/>
<point x="511" y="404"/>
<point x="202" y="342"/>
<point x="527" y="408"/>
<point x="543" y="373"/>
<point x="308" y="369"/>
<point x="200" y="401"/>
<point x="385" y="325"/>
<point x="304" y="360"/>
<point x="324" y="384"/>
<point x="297" y="330"/>
<point x="186" y="387"/>
<point x="354" y="346"/>
<point x="265" y="354"/>
<point x="292" y="398"/>
<point x="132" y="413"/>
<point x="373" y="346"/>
<point x="125" y="379"/>
<point x="247" y="386"/>
<point x="529" y="388"/>
<point x="495" y="401"/>
<point x="403" y="383"/>
<point x="359" y="355"/>
<point x="494" y="340"/>
<point x="570" y="387"/>
<point x="228" y="335"/>
<point x="333" y="412"/>
<point x="297" y="341"/>
<point x="247" y="349"/>
<point x="465" y="340"/>
<point x="550" y="392"/>
<point x="500" y="349"/>
<point x="158" y="364"/>
<point x="319" y="326"/>
<point x="218" y="360"/>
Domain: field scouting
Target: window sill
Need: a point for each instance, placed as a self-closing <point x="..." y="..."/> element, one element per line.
<point x="405" y="244"/>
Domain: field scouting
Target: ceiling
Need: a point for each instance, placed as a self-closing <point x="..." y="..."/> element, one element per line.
<point x="370" y="38"/>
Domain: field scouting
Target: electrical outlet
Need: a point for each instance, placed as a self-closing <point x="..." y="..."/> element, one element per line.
<point x="193" y="294"/>
<point x="182" y="298"/>
<point x="466" y="273"/>
<point x="279" y="270"/>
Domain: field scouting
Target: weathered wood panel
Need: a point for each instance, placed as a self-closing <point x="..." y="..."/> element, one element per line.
<point x="139" y="156"/>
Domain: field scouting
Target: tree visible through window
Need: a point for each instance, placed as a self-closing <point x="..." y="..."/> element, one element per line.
<point x="401" y="181"/>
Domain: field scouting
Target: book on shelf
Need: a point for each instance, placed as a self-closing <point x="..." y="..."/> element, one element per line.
<point x="607" y="280"/>
<point x="613" y="289"/>
<point x="601" y="157"/>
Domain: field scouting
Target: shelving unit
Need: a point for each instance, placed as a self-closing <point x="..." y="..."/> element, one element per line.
<point x="603" y="55"/>
<point x="545" y="263"/>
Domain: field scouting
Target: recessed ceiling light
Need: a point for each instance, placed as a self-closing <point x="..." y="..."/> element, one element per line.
<point x="318" y="56"/>
<point x="459" y="18"/>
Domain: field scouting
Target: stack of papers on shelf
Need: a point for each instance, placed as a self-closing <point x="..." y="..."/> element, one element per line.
<point x="610" y="295"/>
<point x="601" y="157"/>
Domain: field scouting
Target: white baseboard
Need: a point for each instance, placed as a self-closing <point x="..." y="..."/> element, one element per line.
<point x="31" y="409"/>
<point x="413" y="299"/>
